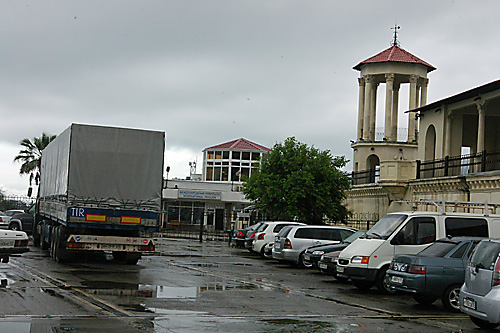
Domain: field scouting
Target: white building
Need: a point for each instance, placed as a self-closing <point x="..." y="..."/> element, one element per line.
<point x="213" y="198"/>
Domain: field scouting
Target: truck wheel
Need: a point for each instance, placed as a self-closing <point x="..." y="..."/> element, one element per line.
<point x="382" y="285"/>
<point x="451" y="299"/>
<point x="36" y="237"/>
<point x="43" y="243"/>
<point x="59" y="245"/>
<point x="362" y="285"/>
<point x="132" y="258"/>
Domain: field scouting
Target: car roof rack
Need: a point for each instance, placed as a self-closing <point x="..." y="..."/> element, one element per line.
<point x="444" y="206"/>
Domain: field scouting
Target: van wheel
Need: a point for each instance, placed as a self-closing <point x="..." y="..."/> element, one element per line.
<point x="382" y="285"/>
<point x="483" y="323"/>
<point x="362" y="285"/>
<point x="451" y="299"/>
<point x="424" y="299"/>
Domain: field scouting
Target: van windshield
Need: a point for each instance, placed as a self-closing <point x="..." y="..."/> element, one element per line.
<point x="386" y="226"/>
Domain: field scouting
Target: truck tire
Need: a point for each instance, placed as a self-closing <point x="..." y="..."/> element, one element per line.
<point x="43" y="244"/>
<point x="36" y="235"/>
<point x="61" y="254"/>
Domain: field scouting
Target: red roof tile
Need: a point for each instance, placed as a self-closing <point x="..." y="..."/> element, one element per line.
<point x="395" y="54"/>
<point x="241" y="144"/>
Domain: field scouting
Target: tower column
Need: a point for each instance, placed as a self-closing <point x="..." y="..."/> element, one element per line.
<point x="480" y="125"/>
<point x="447" y="140"/>
<point x="361" y="108"/>
<point x="395" y="110"/>
<point x="367" y="101"/>
<point x="413" y="102"/>
<point x="423" y="96"/>
<point x="389" y="82"/>
<point x="373" y="113"/>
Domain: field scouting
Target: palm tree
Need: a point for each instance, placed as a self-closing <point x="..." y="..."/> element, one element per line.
<point x="31" y="155"/>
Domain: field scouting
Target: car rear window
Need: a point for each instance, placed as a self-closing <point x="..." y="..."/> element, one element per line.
<point x="485" y="255"/>
<point x="262" y="227"/>
<point x="438" y="249"/>
<point x="318" y="233"/>
<point x="278" y="227"/>
<point x="284" y="232"/>
<point x="463" y="226"/>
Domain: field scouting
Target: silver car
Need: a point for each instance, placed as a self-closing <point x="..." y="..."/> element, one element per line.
<point x="291" y="243"/>
<point x="480" y="294"/>
<point x="4" y="220"/>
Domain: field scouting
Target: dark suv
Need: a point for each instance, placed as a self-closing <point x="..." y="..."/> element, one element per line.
<point x="23" y="220"/>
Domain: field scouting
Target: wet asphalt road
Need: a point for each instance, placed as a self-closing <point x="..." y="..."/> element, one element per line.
<point x="193" y="287"/>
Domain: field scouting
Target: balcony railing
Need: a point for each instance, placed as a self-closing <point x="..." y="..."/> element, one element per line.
<point x="459" y="165"/>
<point x="365" y="176"/>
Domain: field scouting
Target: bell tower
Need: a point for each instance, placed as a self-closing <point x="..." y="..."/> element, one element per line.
<point x="394" y="68"/>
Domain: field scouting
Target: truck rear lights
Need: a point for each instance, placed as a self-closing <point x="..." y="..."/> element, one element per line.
<point x="147" y="248"/>
<point x="288" y="244"/>
<point x="417" y="269"/>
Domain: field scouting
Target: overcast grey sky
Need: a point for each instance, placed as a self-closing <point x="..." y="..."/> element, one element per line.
<point x="210" y="71"/>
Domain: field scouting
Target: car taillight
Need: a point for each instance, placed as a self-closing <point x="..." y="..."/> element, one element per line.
<point x="21" y="243"/>
<point x="240" y="234"/>
<point x="417" y="269"/>
<point x="261" y="236"/>
<point x="288" y="244"/>
<point x="252" y="235"/>
<point x="1" y="220"/>
<point x="496" y="274"/>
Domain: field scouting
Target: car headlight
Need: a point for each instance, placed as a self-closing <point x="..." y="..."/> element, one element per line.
<point x="318" y="253"/>
<point x="360" y="260"/>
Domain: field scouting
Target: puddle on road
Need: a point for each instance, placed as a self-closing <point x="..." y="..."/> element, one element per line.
<point x="107" y="288"/>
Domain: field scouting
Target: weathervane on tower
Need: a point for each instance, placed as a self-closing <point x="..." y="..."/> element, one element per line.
<point x="395" y="41"/>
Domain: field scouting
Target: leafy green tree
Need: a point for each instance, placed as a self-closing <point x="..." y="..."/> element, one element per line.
<point x="300" y="182"/>
<point x="31" y="155"/>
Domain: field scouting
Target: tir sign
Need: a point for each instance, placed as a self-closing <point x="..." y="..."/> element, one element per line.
<point x="130" y="220"/>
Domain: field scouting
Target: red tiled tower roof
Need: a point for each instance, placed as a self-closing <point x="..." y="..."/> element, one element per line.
<point x="395" y="54"/>
<point x="241" y="144"/>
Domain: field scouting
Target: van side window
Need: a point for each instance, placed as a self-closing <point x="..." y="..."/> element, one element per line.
<point x="463" y="226"/>
<point x="419" y="230"/>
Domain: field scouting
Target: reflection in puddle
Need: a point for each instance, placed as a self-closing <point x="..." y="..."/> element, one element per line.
<point x="167" y="292"/>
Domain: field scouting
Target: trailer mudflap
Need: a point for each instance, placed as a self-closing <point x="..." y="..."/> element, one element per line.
<point x="110" y="243"/>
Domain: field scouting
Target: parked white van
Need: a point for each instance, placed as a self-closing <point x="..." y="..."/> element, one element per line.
<point x="366" y="260"/>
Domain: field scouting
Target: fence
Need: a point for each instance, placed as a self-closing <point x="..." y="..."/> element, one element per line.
<point x="369" y="176"/>
<point x="8" y="202"/>
<point x="459" y="165"/>
<point x="191" y="234"/>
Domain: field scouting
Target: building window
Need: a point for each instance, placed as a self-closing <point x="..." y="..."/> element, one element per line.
<point x="245" y="155"/>
<point x="185" y="212"/>
<point x="255" y="156"/>
<point x="218" y="155"/>
<point x="225" y="155"/>
<point x="236" y="155"/>
<point x="210" y="155"/>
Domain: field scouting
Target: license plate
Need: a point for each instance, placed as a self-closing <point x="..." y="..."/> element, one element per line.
<point x="470" y="303"/>
<point x="7" y="243"/>
<point x="397" y="279"/>
<point x="111" y="247"/>
<point x="277" y="246"/>
<point x="323" y="266"/>
<point x="340" y="269"/>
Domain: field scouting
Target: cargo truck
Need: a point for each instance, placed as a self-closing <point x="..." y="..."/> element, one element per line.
<point x="100" y="190"/>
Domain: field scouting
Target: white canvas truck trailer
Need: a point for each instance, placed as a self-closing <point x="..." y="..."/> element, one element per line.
<point x="100" y="190"/>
